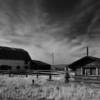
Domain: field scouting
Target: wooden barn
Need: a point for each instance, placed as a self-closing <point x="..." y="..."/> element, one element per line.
<point x="39" y="65"/>
<point x="13" y="59"/>
<point x="86" y="68"/>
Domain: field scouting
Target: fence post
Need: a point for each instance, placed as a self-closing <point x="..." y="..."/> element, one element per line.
<point x="9" y="73"/>
<point x="50" y="76"/>
<point x="66" y="75"/>
<point x="37" y="75"/>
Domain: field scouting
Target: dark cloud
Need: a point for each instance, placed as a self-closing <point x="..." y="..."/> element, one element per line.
<point x="85" y="22"/>
<point x="78" y="20"/>
<point x="68" y="25"/>
<point x="71" y="19"/>
<point x="60" y="8"/>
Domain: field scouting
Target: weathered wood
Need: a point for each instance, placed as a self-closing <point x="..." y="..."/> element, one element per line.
<point x="96" y="71"/>
<point x="81" y="71"/>
<point x="90" y="79"/>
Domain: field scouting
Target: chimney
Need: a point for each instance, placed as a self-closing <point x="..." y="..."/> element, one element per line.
<point x="87" y="51"/>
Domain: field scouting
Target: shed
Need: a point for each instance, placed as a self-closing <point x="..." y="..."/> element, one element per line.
<point x="86" y="66"/>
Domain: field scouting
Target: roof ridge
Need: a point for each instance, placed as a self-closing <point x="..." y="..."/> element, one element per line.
<point x="14" y="53"/>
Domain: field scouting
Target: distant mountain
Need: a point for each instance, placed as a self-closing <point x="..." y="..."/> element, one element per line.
<point x="59" y="67"/>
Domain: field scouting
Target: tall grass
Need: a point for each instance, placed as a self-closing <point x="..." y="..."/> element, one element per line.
<point x="23" y="89"/>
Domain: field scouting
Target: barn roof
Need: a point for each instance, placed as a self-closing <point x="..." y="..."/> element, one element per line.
<point x="14" y="54"/>
<point x="93" y="64"/>
<point x="39" y="63"/>
<point x="35" y="64"/>
<point x="83" y="61"/>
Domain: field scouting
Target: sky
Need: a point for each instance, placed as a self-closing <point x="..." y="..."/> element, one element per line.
<point x="42" y="27"/>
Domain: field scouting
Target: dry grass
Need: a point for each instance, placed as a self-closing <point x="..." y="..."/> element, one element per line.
<point x="22" y="89"/>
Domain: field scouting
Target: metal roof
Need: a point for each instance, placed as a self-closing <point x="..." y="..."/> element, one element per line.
<point x="83" y="61"/>
<point x="35" y="64"/>
<point x="9" y="53"/>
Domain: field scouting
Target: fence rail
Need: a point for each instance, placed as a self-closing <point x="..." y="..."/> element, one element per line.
<point x="88" y="79"/>
<point x="30" y="72"/>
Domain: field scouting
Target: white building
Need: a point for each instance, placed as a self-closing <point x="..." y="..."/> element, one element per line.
<point x="13" y="59"/>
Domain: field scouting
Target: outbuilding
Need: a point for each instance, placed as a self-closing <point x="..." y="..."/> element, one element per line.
<point x="13" y="59"/>
<point x="86" y="68"/>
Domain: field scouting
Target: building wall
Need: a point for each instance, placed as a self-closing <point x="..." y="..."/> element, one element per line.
<point x="78" y="71"/>
<point x="13" y="63"/>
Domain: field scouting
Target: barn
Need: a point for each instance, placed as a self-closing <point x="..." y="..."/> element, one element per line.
<point x="13" y="59"/>
<point x="39" y="65"/>
<point x="86" y="68"/>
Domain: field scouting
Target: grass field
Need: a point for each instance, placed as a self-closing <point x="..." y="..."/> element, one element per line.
<point x="21" y="88"/>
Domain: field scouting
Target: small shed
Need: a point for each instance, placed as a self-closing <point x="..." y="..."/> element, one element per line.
<point x="86" y="66"/>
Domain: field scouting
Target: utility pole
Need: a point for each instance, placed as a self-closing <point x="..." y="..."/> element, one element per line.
<point x="87" y="51"/>
<point x="52" y="58"/>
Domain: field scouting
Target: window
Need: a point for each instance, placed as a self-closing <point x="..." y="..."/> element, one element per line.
<point x="26" y="67"/>
<point x="78" y="71"/>
<point x="5" y="67"/>
<point x="90" y="71"/>
<point x="87" y="72"/>
<point x="93" y="71"/>
<point x="18" y="67"/>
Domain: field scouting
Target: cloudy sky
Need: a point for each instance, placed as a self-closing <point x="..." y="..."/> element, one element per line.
<point x="41" y="27"/>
